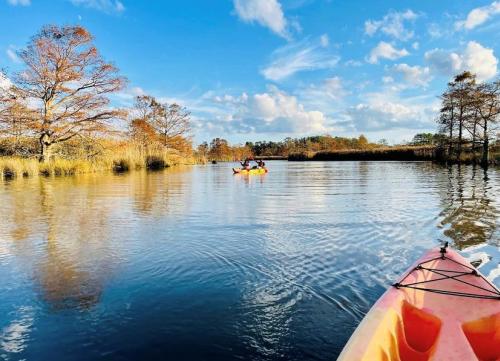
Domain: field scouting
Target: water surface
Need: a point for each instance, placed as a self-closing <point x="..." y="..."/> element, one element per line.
<point x="198" y="264"/>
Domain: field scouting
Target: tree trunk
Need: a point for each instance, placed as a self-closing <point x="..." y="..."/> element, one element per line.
<point x="474" y="142"/>
<point x="45" y="148"/>
<point x="486" y="145"/>
<point x="459" y="151"/>
<point x="450" y="144"/>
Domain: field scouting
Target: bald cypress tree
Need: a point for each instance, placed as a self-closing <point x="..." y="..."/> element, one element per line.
<point x="64" y="87"/>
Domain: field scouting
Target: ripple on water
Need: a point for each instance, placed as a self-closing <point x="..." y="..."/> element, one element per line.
<point x="201" y="264"/>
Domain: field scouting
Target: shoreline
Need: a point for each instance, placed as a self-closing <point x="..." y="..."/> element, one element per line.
<point x="410" y="153"/>
<point x="17" y="168"/>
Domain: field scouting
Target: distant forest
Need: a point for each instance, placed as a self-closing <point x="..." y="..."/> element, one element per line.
<point x="220" y="149"/>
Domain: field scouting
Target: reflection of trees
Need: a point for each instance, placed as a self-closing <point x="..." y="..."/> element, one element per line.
<point x="159" y="192"/>
<point x="73" y="234"/>
<point x="470" y="213"/>
<point x="70" y="231"/>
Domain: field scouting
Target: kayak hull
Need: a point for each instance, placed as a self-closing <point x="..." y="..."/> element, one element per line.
<point x="250" y="172"/>
<point x="408" y="324"/>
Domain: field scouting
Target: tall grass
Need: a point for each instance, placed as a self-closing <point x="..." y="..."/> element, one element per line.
<point x="117" y="160"/>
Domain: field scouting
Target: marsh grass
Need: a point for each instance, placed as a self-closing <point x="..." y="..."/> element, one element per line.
<point x="117" y="160"/>
<point x="385" y="153"/>
<point x="397" y="153"/>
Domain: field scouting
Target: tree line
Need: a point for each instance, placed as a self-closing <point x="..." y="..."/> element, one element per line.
<point x="220" y="149"/>
<point x="63" y="95"/>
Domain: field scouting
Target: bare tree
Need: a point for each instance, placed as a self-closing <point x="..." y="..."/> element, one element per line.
<point x="15" y="118"/>
<point x="473" y="108"/>
<point x="174" y="125"/>
<point x="171" y="122"/>
<point x="488" y="108"/>
<point x="141" y="130"/>
<point x="66" y="83"/>
<point x="446" y="119"/>
<point x="5" y="103"/>
<point x="148" y="109"/>
<point x="457" y="110"/>
<point x="462" y="88"/>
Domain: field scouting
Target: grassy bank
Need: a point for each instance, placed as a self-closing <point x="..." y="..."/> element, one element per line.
<point x="386" y="153"/>
<point x="16" y="167"/>
<point x="19" y="157"/>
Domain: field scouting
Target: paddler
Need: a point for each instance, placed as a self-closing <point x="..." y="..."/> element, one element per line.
<point x="245" y="164"/>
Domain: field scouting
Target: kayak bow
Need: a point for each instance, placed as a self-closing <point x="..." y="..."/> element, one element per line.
<point x="442" y="309"/>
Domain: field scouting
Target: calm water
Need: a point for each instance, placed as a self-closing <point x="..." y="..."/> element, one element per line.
<point x="198" y="264"/>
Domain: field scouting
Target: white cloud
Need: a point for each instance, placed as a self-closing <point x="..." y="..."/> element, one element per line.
<point x="435" y="31"/>
<point x="11" y="53"/>
<point x="385" y="111"/>
<point x="19" y="2"/>
<point x="385" y="51"/>
<point x="474" y="58"/>
<point x="478" y="16"/>
<point x="354" y="63"/>
<point x="443" y="61"/>
<point x="334" y="87"/>
<point x="331" y="88"/>
<point x="329" y="95"/>
<point x="414" y="76"/>
<point x="371" y="27"/>
<point x="130" y="93"/>
<point x="480" y="60"/>
<point x="107" y="6"/>
<point x="324" y="40"/>
<point x="297" y="57"/>
<point x="267" y="13"/>
<point x="5" y="82"/>
<point x="392" y="24"/>
<point x="317" y="109"/>
<point x="273" y="111"/>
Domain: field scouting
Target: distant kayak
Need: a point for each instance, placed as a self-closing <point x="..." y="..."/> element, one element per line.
<point x="441" y="309"/>
<point x="251" y="171"/>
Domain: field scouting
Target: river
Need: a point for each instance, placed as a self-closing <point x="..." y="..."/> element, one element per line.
<point x="197" y="264"/>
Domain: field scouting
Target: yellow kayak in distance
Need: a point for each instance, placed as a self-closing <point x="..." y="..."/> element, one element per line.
<point x="250" y="172"/>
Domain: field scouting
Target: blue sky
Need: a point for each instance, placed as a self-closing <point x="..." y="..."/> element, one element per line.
<point x="269" y="69"/>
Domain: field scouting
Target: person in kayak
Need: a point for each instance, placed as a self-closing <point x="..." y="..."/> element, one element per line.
<point x="261" y="164"/>
<point x="245" y="164"/>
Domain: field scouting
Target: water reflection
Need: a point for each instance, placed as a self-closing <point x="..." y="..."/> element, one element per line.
<point x="469" y="215"/>
<point x="15" y="336"/>
<point x="207" y="265"/>
<point x="63" y="229"/>
<point x="251" y="179"/>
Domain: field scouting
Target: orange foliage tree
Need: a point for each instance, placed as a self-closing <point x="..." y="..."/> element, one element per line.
<point x="167" y="124"/>
<point x="64" y="87"/>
